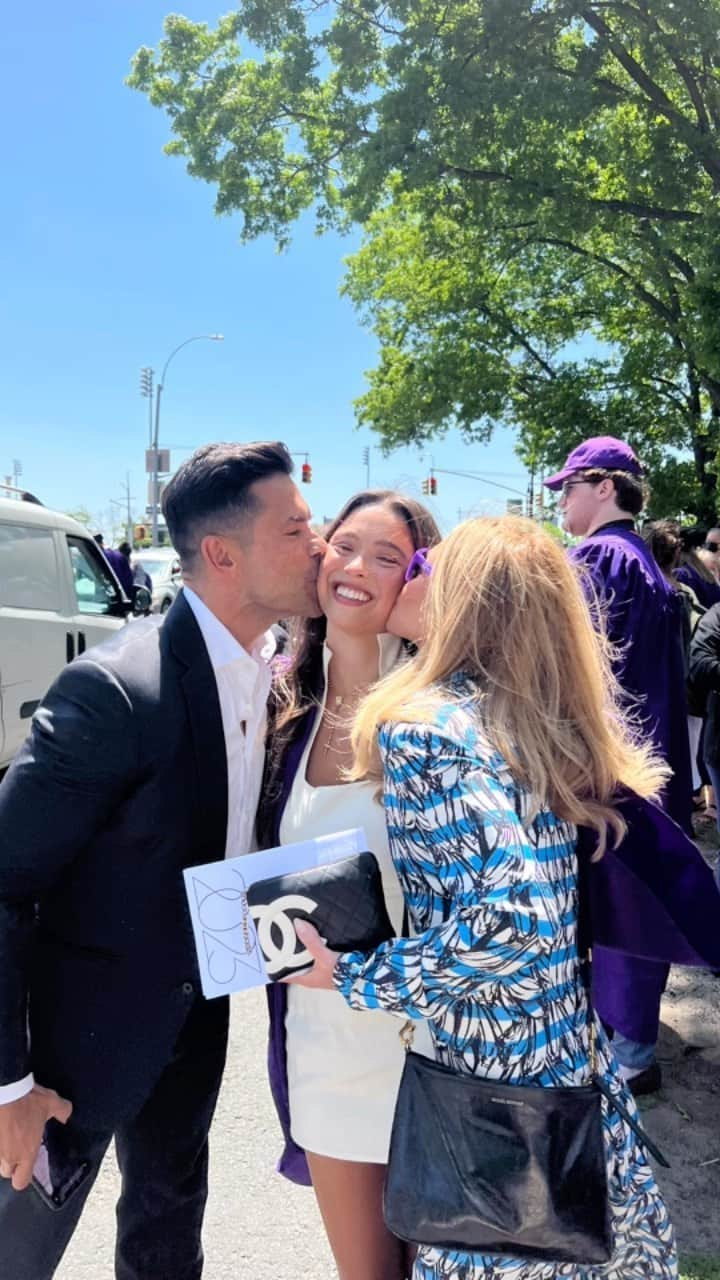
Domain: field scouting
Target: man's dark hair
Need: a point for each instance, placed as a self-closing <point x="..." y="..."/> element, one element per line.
<point x="630" y="491"/>
<point x="125" y="549"/>
<point x="212" y="490"/>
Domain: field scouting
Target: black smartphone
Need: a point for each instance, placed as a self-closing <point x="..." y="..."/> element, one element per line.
<point x="58" y="1174"/>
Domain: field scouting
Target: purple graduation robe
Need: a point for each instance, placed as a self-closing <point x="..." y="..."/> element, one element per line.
<point x="121" y="566"/>
<point x="644" y="622"/>
<point x="708" y="593"/>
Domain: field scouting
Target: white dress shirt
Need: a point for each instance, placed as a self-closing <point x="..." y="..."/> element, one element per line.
<point x="243" y="685"/>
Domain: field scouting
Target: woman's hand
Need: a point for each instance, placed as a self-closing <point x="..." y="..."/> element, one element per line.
<point x="321" y="974"/>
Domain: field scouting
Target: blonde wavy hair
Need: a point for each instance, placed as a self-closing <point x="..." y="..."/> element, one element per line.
<point x="505" y="606"/>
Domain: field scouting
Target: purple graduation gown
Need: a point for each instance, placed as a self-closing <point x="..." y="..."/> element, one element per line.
<point x="121" y="566"/>
<point x="644" y="622"/>
<point x="292" y="1162"/>
<point x="708" y="593"/>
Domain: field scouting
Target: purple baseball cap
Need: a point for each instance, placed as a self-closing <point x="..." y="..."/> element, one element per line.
<point x="599" y="451"/>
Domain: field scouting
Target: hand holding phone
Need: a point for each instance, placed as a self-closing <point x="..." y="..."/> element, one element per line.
<point x="59" y="1171"/>
<point x="22" y="1125"/>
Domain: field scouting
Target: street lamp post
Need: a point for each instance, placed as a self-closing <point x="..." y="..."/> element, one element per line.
<point x="200" y="337"/>
<point x="146" y="390"/>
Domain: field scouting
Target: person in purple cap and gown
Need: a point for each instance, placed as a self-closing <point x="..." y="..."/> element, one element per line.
<point x="700" y="565"/>
<point x="602" y="492"/>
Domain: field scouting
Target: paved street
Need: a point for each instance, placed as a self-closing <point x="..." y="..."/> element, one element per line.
<point x="258" y="1226"/>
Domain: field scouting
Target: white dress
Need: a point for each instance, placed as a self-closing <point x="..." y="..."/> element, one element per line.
<point x="344" y="1066"/>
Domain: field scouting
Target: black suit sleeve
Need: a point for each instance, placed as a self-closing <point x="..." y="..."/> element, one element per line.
<point x="75" y="767"/>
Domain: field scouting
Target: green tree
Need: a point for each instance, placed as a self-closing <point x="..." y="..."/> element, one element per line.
<point x="82" y="515"/>
<point x="562" y="157"/>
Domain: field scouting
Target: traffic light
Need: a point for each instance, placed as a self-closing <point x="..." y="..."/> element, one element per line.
<point x="140" y="533"/>
<point x="426" y="486"/>
<point x="306" y="473"/>
<point x="433" y="486"/>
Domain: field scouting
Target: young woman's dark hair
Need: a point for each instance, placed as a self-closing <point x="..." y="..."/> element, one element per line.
<point x="300" y="686"/>
<point x="663" y="539"/>
<point x="693" y="540"/>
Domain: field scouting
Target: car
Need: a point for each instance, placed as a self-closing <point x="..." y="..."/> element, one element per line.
<point x="58" y="597"/>
<point x="163" y="566"/>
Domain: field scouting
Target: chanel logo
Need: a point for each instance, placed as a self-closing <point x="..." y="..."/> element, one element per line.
<point x="271" y="920"/>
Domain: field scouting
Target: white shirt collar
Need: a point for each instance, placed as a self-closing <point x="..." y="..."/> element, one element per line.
<point x="223" y="649"/>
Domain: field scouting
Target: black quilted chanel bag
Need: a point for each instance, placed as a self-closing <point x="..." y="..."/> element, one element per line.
<point x="343" y="900"/>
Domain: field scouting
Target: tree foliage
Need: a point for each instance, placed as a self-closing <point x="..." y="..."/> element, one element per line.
<point x="82" y="515"/>
<point x="528" y="174"/>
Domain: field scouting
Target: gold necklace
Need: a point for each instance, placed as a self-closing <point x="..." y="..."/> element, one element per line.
<point x="333" y="720"/>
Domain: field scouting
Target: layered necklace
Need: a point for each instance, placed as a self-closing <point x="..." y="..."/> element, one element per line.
<point x="335" y="719"/>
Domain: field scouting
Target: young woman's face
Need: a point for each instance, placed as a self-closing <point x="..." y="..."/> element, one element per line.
<point x="406" y="618"/>
<point x="364" y="569"/>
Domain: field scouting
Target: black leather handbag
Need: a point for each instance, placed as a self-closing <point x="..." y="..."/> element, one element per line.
<point x="343" y="900"/>
<point x="495" y="1168"/>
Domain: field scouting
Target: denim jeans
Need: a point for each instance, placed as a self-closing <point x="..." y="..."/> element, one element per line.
<point x="631" y="1054"/>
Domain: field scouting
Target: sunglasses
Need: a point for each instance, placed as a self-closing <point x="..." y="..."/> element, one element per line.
<point x="709" y="546"/>
<point x="570" y="484"/>
<point x="418" y="564"/>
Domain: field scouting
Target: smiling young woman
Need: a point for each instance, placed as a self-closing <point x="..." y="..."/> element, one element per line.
<point x="334" y="1073"/>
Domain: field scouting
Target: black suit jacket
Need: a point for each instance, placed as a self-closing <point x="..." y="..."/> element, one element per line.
<point x="121" y="784"/>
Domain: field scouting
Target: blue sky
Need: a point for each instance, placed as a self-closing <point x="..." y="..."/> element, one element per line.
<point x="110" y="255"/>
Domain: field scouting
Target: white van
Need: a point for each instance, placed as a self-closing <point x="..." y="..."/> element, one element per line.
<point x="58" y="596"/>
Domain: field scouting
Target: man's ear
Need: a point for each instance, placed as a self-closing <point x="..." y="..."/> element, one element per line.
<point x="218" y="553"/>
<point x="605" y="489"/>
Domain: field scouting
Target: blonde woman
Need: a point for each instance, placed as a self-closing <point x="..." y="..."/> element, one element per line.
<point x="494" y="745"/>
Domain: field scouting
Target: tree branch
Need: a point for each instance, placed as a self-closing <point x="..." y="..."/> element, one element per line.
<point x="655" y="304"/>
<point x="632" y="207"/>
<point x="709" y="161"/>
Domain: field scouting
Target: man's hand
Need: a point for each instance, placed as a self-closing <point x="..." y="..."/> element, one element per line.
<point x="22" y="1124"/>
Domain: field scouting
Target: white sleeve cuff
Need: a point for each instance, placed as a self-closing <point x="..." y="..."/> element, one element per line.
<point x="18" y="1089"/>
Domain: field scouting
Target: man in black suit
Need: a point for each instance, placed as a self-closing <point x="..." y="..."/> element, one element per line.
<point x="144" y="758"/>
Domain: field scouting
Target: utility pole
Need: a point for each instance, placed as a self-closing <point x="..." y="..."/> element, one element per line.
<point x="127" y="504"/>
<point x="366" y="460"/>
<point x="129" y="509"/>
